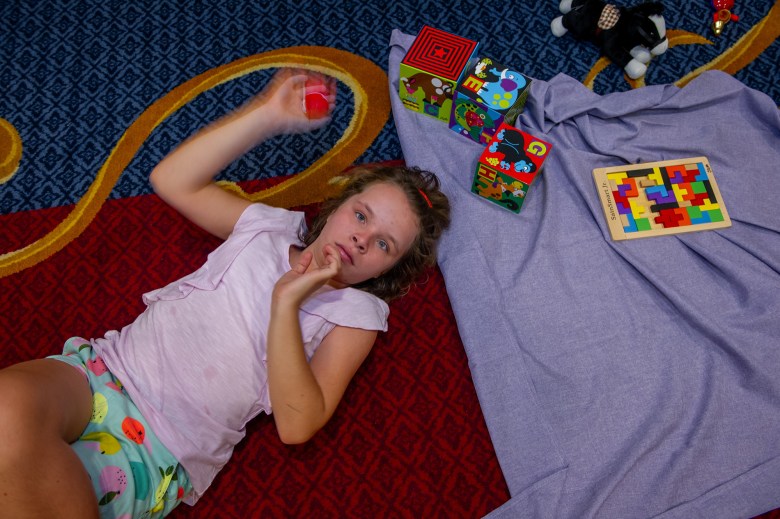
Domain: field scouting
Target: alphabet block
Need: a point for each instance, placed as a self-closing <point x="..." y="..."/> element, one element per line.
<point x="508" y="165"/>
<point x="487" y="95"/>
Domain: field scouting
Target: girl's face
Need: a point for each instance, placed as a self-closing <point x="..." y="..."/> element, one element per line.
<point x="371" y="230"/>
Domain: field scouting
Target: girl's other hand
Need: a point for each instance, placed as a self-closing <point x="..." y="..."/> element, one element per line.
<point x="283" y="100"/>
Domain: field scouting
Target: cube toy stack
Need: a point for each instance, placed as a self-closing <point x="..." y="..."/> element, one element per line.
<point x="487" y="95"/>
<point x="442" y="76"/>
<point x="508" y="165"/>
<point x="431" y="69"/>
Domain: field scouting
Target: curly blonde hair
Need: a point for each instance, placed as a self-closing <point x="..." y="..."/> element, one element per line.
<point x="431" y="206"/>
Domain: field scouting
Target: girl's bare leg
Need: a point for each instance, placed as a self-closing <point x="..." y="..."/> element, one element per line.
<point x="44" y="405"/>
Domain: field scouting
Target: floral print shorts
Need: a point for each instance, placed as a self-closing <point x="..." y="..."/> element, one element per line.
<point x="133" y="474"/>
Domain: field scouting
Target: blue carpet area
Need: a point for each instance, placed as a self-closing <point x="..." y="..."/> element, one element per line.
<point x="74" y="75"/>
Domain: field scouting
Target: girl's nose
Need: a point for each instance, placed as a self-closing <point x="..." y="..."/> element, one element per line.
<point x="359" y="242"/>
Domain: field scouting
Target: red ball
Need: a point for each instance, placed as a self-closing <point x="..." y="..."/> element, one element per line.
<point x="317" y="105"/>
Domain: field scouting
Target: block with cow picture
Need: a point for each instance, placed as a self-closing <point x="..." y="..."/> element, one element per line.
<point x="508" y="165"/>
<point x="487" y="95"/>
<point x="431" y="69"/>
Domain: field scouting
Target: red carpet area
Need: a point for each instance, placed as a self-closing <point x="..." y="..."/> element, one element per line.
<point x="409" y="439"/>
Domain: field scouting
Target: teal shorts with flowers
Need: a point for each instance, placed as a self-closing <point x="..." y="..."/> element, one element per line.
<point x="133" y="474"/>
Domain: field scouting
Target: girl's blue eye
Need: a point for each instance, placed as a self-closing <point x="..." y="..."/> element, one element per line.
<point x="360" y="216"/>
<point x="383" y="245"/>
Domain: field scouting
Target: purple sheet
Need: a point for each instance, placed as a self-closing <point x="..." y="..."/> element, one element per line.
<point x="621" y="379"/>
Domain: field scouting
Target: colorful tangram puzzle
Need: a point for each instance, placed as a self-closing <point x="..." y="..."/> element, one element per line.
<point x="659" y="198"/>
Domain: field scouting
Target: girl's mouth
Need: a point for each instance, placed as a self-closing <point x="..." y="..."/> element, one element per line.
<point x="345" y="256"/>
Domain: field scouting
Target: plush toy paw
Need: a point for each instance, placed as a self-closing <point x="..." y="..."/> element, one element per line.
<point x="565" y="6"/>
<point x="557" y="24"/>
<point x="635" y="69"/>
<point x="557" y="27"/>
<point x="641" y="54"/>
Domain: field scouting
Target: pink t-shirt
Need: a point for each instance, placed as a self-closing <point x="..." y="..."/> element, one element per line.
<point x="194" y="362"/>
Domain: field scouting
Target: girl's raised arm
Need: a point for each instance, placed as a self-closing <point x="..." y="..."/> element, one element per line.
<point x="185" y="178"/>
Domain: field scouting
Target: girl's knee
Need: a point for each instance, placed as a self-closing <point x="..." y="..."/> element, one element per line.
<point x="17" y="394"/>
<point x="18" y="425"/>
<point x="40" y="399"/>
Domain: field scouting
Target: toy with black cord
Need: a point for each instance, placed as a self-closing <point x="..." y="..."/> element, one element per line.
<point x="628" y="36"/>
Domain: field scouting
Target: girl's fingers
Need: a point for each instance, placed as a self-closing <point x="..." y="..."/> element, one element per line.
<point x="304" y="260"/>
<point x="332" y="256"/>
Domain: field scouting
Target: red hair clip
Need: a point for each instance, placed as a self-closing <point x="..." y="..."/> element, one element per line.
<point x="427" y="200"/>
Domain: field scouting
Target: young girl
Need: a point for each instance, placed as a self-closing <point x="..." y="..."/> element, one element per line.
<point x="273" y="321"/>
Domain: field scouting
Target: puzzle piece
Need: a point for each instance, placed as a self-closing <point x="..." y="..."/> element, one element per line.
<point x="698" y="187"/>
<point x="617" y="178"/>
<point x="685" y="220"/>
<point x="676" y="173"/>
<point x="656" y="177"/>
<point x="668" y="218"/>
<point x="716" y="215"/>
<point x="708" y="205"/>
<point x="702" y="172"/>
<point x="628" y="188"/>
<point x="637" y="209"/>
<point x="696" y="215"/>
<point x="700" y="199"/>
<point x="660" y="195"/>
<point x="621" y="202"/>
<point x="691" y="174"/>
<point x="629" y="223"/>
<point x="679" y="190"/>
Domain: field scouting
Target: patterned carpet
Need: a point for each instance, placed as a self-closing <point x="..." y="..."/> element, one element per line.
<point x="95" y="93"/>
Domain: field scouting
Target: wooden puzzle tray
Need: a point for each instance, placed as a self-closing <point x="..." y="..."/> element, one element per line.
<point x="660" y="198"/>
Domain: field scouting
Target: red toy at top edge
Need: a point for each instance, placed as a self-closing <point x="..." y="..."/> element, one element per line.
<point x="722" y="15"/>
<point x="316" y="104"/>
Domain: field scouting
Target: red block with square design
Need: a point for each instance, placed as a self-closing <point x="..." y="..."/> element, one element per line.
<point x="431" y="69"/>
<point x="508" y="165"/>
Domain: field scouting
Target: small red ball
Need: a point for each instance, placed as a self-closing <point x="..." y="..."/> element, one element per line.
<point x="317" y="105"/>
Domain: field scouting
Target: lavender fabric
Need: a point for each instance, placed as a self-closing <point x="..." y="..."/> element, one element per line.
<point x="620" y="379"/>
